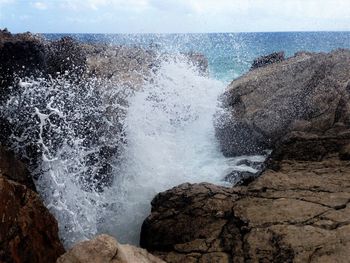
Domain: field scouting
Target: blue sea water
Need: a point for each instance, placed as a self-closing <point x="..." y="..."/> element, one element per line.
<point x="229" y="54"/>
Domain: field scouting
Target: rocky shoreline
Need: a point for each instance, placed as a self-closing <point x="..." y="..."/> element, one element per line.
<point x="297" y="210"/>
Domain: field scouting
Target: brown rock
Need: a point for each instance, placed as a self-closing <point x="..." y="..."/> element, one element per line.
<point x="127" y="66"/>
<point x="309" y="92"/>
<point x="297" y="212"/>
<point x="14" y="170"/>
<point x="103" y="249"/>
<point x="28" y="232"/>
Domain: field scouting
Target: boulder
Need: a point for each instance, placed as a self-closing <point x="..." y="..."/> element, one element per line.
<point x="14" y="170"/>
<point x="28" y="232"/>
<point x="296" y="211"/>
<point x="309" y="92"/>
<point x="268" y="59"/>
<point x="103" y="249"/>
<point x="127" y="66"/>
<point x="20" y="55"/>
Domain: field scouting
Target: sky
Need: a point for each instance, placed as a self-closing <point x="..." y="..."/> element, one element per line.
<point x="173" y="16"/>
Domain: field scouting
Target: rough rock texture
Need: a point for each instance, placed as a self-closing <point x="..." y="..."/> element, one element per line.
<point x="28" y="232"/>
<point x="298" y="210"/>
<point x="103" y="249"/>
<point x="66" y="55"/>
<point x="267" y="60"/>
<point x="20" y="55"/>
<point x="309" y="92"/>
<point x="125" y="65"/>
<point x="14" y="170"/>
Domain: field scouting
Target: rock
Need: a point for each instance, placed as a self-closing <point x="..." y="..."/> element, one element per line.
<point x="14" y="170"/>
<point x="127" y="66"/>
<point x="344" y="153"/>
<point x="28" y="232"/>
<point x="309" y="92"/>
<point x="297" y="211"/>
<point x="66" y="56"/>
<point x="240" y="177"/>
<point x="104" y="249"/>
<point x="268" y="59"/>
<point x="199" y="61"/>
<point x="20" y="55"/>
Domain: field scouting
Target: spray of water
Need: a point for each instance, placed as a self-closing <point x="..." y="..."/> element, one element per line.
<point x="105" y="150"/>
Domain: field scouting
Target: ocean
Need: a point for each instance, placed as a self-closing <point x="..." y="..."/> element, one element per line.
<point x="229" y="54"/>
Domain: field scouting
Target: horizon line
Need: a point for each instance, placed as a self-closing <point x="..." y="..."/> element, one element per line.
<point x="179" y="33"/>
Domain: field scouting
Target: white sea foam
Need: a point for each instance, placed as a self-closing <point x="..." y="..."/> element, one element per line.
<point x="167" y="139"/>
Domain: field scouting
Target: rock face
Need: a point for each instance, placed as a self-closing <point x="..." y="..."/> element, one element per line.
<point x="14" y="170"/>
<point x="129" y="66"/>
<point x="309" y="92"/>
<point x="267" y="60"/>
<point x="66" y="55"/>
<point x="20" y="55"/>
<point x="298" y="213"/>
<point x="28" y="232"/>
<point x="103" y="249"/>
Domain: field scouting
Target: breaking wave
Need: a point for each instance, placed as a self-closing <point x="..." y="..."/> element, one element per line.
<point x="101" y="151"/>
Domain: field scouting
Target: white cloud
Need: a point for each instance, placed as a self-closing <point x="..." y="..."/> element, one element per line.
<point x="186" y="15"/>
<point x="40" y="5"/>
<point x="134" y="5"/>
<point x="6" y="2"/>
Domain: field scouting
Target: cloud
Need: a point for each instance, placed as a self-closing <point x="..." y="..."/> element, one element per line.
<point x="40" y="5"/>
<point x="6" y="2"/>
<point x="78" y="5"/>
<point x="180" y="15"/>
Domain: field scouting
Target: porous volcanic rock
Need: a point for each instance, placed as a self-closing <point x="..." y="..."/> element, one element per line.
<point x="298" y="210"/>
<point x="309" y="92"/>
<point x="28" y="232"/>
<point x="103" y="249"/>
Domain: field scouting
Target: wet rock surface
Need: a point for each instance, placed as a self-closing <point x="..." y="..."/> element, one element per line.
<point x="308" y="92"/>
<point x="268" y="59"/>
<point x="28" y="232"/>
<point x="297" y="213"/>
<point x="103" y="249"/>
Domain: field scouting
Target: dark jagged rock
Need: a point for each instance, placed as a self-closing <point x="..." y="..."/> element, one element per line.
<point x="15" y="170"/>
<point x="268" y="59"/>
<point x="66" y="56"/>
<point x="28" y="232"/>
<point x="19" y="58"/>
<point x="308" y="92"/>
<point x="240" y="177"/>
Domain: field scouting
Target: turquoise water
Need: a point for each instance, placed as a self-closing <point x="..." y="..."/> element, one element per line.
<point x="229" y="54"/>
